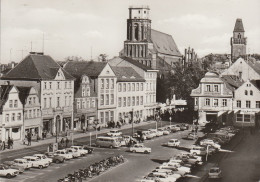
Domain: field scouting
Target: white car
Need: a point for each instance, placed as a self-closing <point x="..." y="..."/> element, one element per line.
<point x="153" y="132"/>
<point x="64" y="154"/>
<point x="210" y="142"/>
<point x="36" y="162"/>
<point x="157" y="133"/>
<point x="80" y="149"/>
<point x="164" y="131"/>
<point x="163" y="177"/>
<point x="176" y="166"/>
<point x="168" y="172"/>
<point x="198" y="158"/>
<point x="215" y="172"/>
<point x="73" y="152"/>
<point x="7" y="172"/>
<point x="198" y="150"/>
<point x="23" y="163"/>
<point x="114" y="133"/>
<point x="174" y="143"/>
<point x="140" y="148"/>
<point x="43" y="157"/>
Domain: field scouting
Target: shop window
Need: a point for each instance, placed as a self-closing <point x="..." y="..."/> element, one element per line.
<point x="239" y="117"/>
<point x="15" y="130"/>
<point x="246" y="118"/>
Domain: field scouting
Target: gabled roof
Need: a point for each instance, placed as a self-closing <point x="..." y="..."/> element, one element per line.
<point x="89" y="68"/>
<point x="136" y="63"/>
<point x="36" y="67"/>
<point x="23" y="93"/>
<point x="127" y="74"/>
<point x="239" y="26"/>
<point x="4" y="92"/>
<point x="256" y="83"/>
<point x="164" y="43"/>
<point x="255" y="65"/>
<point x="232" y="81"/>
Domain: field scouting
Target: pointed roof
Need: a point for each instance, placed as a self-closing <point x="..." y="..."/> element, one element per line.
<point x="23" y="93"/>
<point x="89" y="68"/>
<point x="136" y="63"/>
<point x="239" y="26"/>
<point x="36" y="67"/>
<point x="127" y="74"/>
<point x="4" y="92"/>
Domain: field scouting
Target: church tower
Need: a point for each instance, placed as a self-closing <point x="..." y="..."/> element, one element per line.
<point x="238" y="41"/>
<point x="138" y="35"/>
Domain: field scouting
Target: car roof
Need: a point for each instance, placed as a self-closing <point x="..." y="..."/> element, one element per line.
<point x="30" y="157"/>
<point x="20" y="159"/>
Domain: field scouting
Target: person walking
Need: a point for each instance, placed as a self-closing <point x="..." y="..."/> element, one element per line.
<point x="29" y="137"/>
<point x="62" y="142"/>
<point x="11" y="143"/>
<point x="67" y="142"/>
<point x="8" y="142"/>
<point x="3" y="145"/>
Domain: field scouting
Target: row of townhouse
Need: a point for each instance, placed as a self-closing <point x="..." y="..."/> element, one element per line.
<point x="58" y="99"/>
<point x="230" y="98"/>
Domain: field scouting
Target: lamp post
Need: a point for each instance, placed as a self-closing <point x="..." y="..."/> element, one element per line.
<point x="132" y="122"/>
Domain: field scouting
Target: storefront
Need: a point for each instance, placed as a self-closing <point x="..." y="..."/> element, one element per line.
<point x="12" y="132"/>
<point x="47" y="125"/>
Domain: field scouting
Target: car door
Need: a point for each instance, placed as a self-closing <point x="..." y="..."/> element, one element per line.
<point x="2" y="172"/>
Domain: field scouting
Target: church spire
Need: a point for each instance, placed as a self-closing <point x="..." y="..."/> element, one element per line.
<point x="239" y="26"/>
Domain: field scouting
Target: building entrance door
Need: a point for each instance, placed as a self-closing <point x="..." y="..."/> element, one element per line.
<point x="211" y="117"/>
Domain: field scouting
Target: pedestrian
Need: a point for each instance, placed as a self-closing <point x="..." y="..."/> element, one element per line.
<point x="11" y="143"/>
<point x="67" y="142"/>
<point x="24" y="140"/>
<point x="3" y="145"/>
<point x="29" y="138"/>
<point x="8" y="142"/>
<point x="62" y="142"/>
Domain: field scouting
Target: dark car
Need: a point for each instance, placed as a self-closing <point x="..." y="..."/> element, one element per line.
<point x="55" y="158"/>
<point x="12" y="165"/>
<point x="88" y="148"/>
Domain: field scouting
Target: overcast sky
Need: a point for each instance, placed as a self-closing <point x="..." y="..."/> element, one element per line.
<point x="72" y="27"/>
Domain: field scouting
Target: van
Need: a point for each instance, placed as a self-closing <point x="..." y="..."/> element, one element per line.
<point x="110" y="142"/>
<point x="198" y="150"/>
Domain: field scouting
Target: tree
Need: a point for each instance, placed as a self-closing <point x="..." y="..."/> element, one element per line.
<point x="74" y="58"/>
<point x="102" y="57"/>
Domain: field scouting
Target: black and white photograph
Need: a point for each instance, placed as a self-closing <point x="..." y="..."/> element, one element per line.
<point x="129" y="91"/>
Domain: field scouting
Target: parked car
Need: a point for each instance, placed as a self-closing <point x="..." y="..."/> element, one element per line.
<point x="64" y="154"/>
<point x="162" y="177"/>
<point x="198" y="158"/>
<point x="176" y="166"/>
<point x="55" y="158"/>
<point x="210" y="142"/>
<point x="187" y="159"/>
<point x="23" y="162"/>
<point x="36" y="162"/>
<point x="192" y="136"/>
<point x="184" y="126"/>
<point x="12" y="165"/>
<point x="157" y="133"/>
<point x="198" y="150"/>
<point x="215" y="172"/>
<point x="88" y="148"/>
<point x="165" y="131"/>
<point x="73" y="152"/>
<point x="8" y="172"/>
<point x="80" y="149"/>
<point x="173" y="143"/>
<point x="43" y="157"/>
<point x="140" y="148"/>
<point x="114" y="133"/>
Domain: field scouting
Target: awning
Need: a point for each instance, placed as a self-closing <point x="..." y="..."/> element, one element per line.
<point x="236" y="111"/>
<point x="221" y="112"/>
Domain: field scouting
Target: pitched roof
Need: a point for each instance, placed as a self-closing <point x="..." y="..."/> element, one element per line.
<point x="89" y="68"/>
<point x="232" y="81"/>
<point x="164" y="43"/>
<point x="4" y="92"/>
<point x="127" y="74"/>
<point x="23" y="93"/>
<point x="136" y="63"/>
<point x="239" y="26"/>
<point x="256" y="83"/>
<point x="36" y="67"/>
<point x="255" y="65"/>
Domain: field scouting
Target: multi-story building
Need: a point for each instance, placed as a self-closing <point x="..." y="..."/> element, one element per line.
<point x="130" y="94"/>
<point x="246" y="104"/>
<point x="213" y="98"/>
<point x="150" y="77"/>
<point x="11" y="113"/>
<point x="238" y="41"/>
<point x="55" y="85"/>
<point x="103" y="86"/>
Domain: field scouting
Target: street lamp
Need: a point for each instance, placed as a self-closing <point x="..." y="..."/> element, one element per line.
<point x="132" y="122"/>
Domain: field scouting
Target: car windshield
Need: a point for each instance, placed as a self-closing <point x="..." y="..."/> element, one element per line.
<point x="214" y="170"/>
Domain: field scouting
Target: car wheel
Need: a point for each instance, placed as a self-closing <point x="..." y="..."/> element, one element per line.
<point x="8" y="175"/>
<point x="194" y="153"/>
<point x="40" y="166"/>
<point x="134" y="151"/>
<point x="111" y="146"/>
<point x="57" y="161"/>
<point x="146" y="152"/>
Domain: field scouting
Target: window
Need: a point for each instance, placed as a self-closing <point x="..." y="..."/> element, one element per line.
<point x="38" y="113"/>
<point x="208" y="88"/>
<point x="58" y="101"/>
<point x="112" y="99"/>
<point x="10" y="103"/>
<point x="128" y="87"/>
<point x="69" y="100"/>
<point x="133" y="86"/>
<point x="224" y="102"/>
<point x="15" y="103"/>
<point x="128" y="101"/>
<point x="246" y="118"/>
<point x="102" y="117"/>
<point x="196" y="101"/>
<point x="137" y="100"/>
<point x="124" y="102"/>
<point x="88" y="103"/>
<point x="240" y="74"/>
<point x="34" y="100"/>
<point x="83" y="93"/>
<point x="65" y="84"/>
<point x="50" y="105"/>
<point x="107" y="99"/>
<point x="239" y="117"/>
<point x="70" y="84"/>
<point x="246" y="92"/>
<point x="142" y="87"/>
<point x="78" y="104"/>
<point x="58" y="85"/>
<point x="13" y="116"/>
<point x="119" y="87"/>
<point x="7" y="117"/>
<point x="112" y="83"/>
<point x="151" y="87"/>
<point x="133" y="101"/>
<point x="119" y="102"/>
<point x="216" y="88"/>
<point x="257" y="104"/>
<point x="50" y="85"/>
<point x="248" y="104"/>
<point x="124" y="87"/>
<point x="45" y="85"/>
<point x="88" y="91"/>
<point x="111" y="115"/>
<point x="207" y="103"/>
<point x="102" y="100"/>
<point x="141" y="100"/>
<point x="25" y="115"/>
<point x="137" y="87"/>
<point x="102" y="83"/>
<point x="239" y="103"/>
<point x="106" y="116"/>
<point x="45" y="103"/>
<point x="107" y="83"/>
<point x="83" y="105"/>
<point x="251" y="92"/>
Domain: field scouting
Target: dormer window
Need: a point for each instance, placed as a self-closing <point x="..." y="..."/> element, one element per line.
<point x="144" y="12"/>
